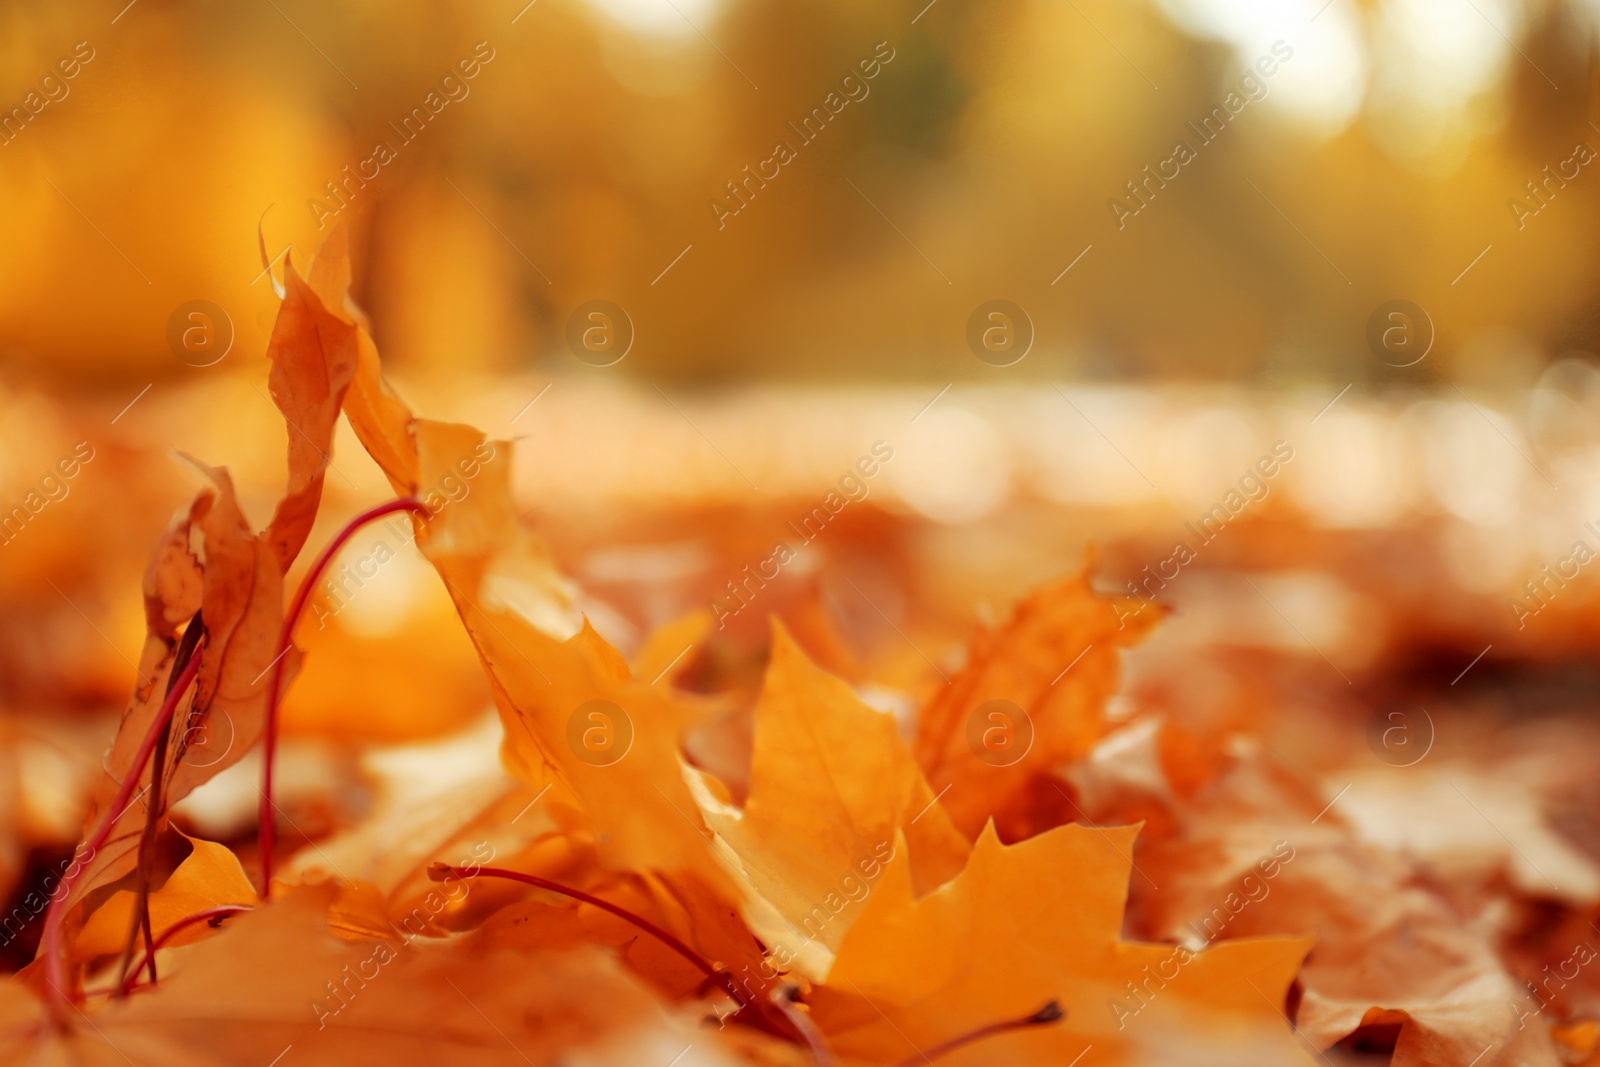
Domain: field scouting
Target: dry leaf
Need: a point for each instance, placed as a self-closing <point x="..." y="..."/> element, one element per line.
<point x="1249" y="860"/>
<point x="313" y="354"/>
<point x="241" y="599"/>
<point x="276" y="980"/>
<point x="831" y="784"/>
<point x="1055" y="660"/>
<point x="1033" y="922"/>
<point x="210" y="876"/>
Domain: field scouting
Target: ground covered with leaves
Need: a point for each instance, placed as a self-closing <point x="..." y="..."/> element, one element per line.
<point x="672" y="857"/>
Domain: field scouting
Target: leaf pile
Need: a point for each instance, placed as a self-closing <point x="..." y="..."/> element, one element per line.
<point x="861" y="892"/>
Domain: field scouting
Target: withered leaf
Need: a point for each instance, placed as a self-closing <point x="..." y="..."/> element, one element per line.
<point x="276" y="979"/>
<point x="1055" y="659"/>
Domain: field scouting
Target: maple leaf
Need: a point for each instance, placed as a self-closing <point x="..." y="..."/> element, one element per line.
<point x="516" y="606"/>
<point x="242" y="605"/>
<point x="277" y="979"/>
<point x="502" y="583"/>
<point x="1035" y="922"/>
<point x="831" y="783"/>
<point x="557" y="696"/>
<point x="1390" y="952"/>
<point x="211" y="566"/>
<point x="1055" y="660"/>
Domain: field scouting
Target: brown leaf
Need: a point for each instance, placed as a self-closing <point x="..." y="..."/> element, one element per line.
<point x="1248" y="860"/>
<point x="242" y="603"/>
<point x="208" y="877"/>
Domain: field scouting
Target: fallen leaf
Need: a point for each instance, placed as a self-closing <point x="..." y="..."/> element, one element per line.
<point x="1248" y="859"/>
<point x="1033" y="922"/>
<point x="574" y="716"/>
<point x="1053" y="664"/>
<point x="1448" y="827"/>
<point x="380" y="419"/>
<point x="831" y="784"/>
<point x="276" y="980"/>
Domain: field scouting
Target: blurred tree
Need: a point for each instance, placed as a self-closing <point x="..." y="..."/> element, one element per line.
<point x="586" y="159"/>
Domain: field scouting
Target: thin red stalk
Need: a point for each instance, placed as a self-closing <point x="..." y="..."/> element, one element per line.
<point x="140" y="917"/>
<point x="764" y="1017"/>
<point x="269" y="733"/>
<point x="1050" y="1013"/>
<point x="577" y="894"/>
<point x="54" y="958"/>
<point x="218" y="912"/>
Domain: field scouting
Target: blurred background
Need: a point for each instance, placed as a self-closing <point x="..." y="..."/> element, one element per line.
<point x="1386" y="150"/>
<point x="1082" y="265"/>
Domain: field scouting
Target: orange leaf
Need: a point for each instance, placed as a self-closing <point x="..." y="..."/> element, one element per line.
<point x="210" y="876"/>
<point x="277" y="978"/>
<point x="313" y="354"/>
<point x="241" y="598"/>
<point x="831" y="784"/>
<point x="1039" y="921"/>
<point x="1050" y="669"/>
